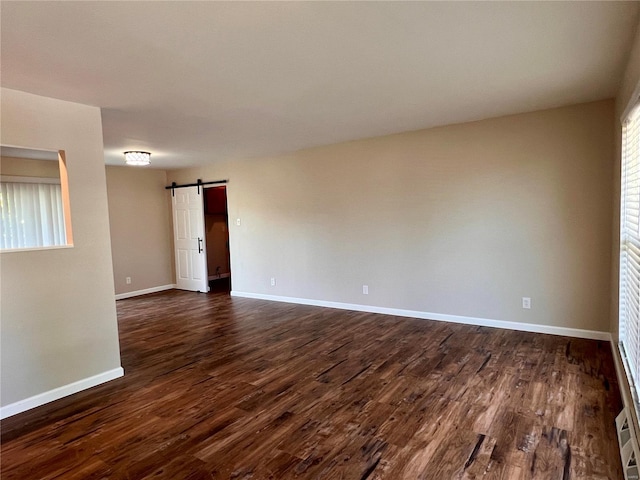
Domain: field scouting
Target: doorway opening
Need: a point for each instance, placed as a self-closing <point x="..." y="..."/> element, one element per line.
<point x="216" y="224"/>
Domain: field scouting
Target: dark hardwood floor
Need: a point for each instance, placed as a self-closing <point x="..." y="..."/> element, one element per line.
<point x="219" y="388"/>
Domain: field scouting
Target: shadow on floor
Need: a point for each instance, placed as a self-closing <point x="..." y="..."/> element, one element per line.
<point x="220" y="285"/>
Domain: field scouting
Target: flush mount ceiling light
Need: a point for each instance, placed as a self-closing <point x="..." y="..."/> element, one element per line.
<point x="137" y="158"/>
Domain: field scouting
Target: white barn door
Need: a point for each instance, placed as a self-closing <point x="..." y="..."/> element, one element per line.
<point x="189" y="241"/>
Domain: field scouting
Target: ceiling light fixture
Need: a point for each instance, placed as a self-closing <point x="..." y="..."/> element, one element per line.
<point x="137" y="158"/>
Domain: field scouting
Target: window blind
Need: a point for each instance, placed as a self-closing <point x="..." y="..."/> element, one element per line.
<point x="629" y="324"/>
<point x="31" y="215"/>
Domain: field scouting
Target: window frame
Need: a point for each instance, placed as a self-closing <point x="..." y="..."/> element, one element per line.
<point x="63" y="180"/>
<point x="628" y="363"/>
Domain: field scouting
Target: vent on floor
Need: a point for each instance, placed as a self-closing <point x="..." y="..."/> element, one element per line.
<point x="628" y="445"/>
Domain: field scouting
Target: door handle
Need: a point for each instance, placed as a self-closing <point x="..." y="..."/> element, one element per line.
<point x="199" y="245"/>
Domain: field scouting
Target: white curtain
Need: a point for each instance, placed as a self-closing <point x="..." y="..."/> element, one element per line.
<point x="32" y="215"/>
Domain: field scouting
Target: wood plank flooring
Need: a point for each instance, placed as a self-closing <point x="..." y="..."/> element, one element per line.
<point x="228" y="388"/>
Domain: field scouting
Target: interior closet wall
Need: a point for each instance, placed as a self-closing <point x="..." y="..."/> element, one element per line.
<point x="216" y="232"/>
<point x="217" y="245"/>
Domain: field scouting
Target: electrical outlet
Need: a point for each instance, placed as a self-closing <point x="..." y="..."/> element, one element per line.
<point x="238" y="222"/>
<point x="128" y="280"/>
<point x="273" y="281"/>
<point x="526" y="302"/>
<point x="365" y="289"/>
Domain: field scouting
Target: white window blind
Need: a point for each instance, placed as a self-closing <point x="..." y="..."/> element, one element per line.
<point x="31" y="215"/>
<point x="630" y="246"/>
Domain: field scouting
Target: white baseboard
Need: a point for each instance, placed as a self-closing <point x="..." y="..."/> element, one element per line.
<point x="222" y="275"/>
<point x="484" y="322"/>
<point x="136" y="293"/>
<point x="57" y="393"/>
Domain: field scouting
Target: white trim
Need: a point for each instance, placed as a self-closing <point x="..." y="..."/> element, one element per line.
<point x="145" y="291"/>
<point x="60" y="392"/>
<point x="22" y="179"/>
<point x="35" y="249"/>
<point x="47" y="153"/>
<point x="484" y="322"/>
<point x="633" y="101"/>
<point x="221" y="275"/>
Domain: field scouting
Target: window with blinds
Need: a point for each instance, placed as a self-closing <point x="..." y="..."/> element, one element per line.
<point x="630" y="247"/>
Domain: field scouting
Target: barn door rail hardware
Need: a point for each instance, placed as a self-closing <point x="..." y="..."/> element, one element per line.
<point x="198" y="184"/>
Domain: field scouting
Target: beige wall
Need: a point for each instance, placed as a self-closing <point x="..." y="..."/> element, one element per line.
<point x="140" y="220"/>
<point x="461" y="220"/>
<point x="27" y="167"/>
<point x="217" y="237"/>
<point x="57" y="315"/>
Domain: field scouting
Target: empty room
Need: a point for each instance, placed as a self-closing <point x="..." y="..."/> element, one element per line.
<point x="319" y="240"/>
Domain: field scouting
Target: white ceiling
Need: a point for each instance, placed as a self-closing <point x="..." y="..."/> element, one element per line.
<point x="197" y="82"/>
